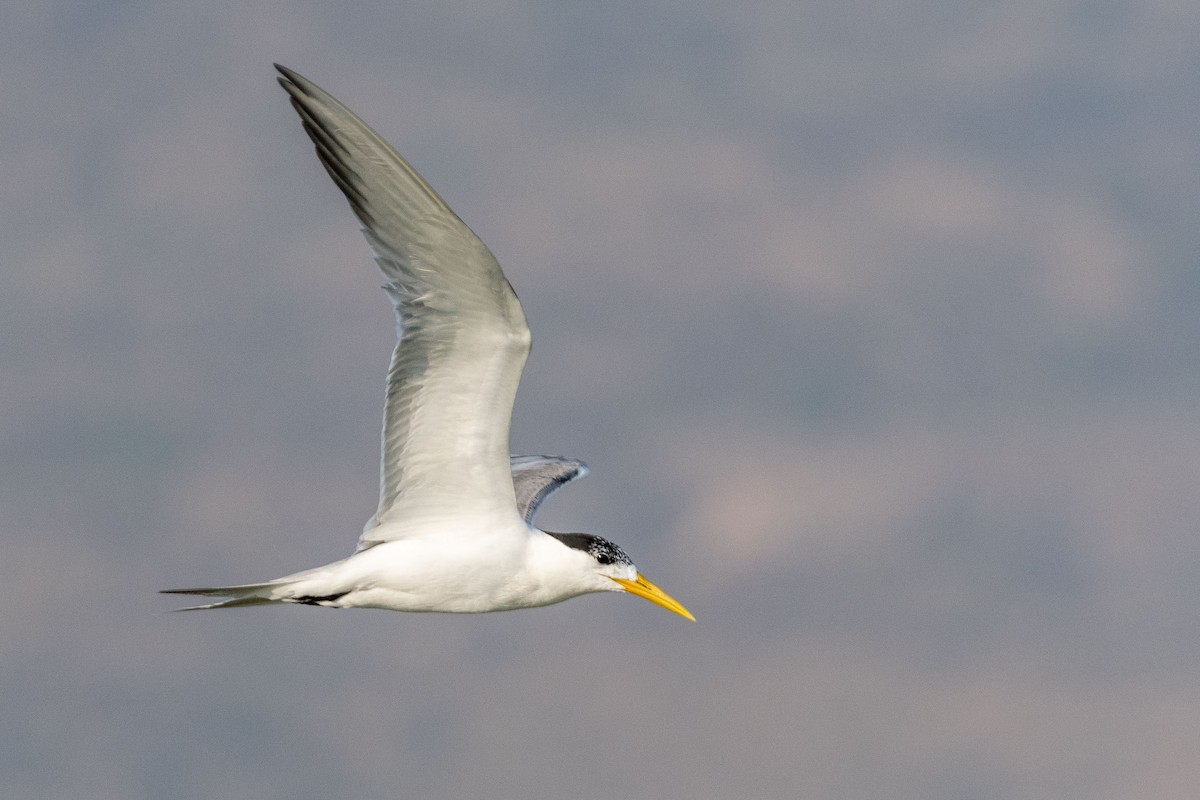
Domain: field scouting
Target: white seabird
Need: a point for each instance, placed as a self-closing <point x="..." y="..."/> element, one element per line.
<point x="453" y="530"/>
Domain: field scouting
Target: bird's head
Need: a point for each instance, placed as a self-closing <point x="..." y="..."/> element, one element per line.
<point x="615" y="572"/>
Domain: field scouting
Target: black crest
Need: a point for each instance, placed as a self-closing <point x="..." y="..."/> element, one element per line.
<point x="597" y="547"/>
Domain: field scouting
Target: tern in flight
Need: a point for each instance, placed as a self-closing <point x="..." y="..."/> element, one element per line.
<point x="453" y="530"/>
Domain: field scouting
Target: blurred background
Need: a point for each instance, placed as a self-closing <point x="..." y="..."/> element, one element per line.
<point x="876" y="322"/>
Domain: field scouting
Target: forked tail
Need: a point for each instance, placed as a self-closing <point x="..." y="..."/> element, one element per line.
<point x="292" y="589"/>
<point x="249" y="594"/>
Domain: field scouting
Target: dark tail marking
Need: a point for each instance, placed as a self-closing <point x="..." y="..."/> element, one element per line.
<point x="323" y="600"/>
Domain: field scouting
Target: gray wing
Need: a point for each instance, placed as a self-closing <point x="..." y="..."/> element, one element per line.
<point x="462" y="335"/>
<point x="537" y="477"/>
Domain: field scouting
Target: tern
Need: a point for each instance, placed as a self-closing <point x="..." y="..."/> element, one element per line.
<point x="453" y="530"/>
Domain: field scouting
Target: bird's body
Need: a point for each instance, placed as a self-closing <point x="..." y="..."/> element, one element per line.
<point x="453" y="529"/>
<point x="454" y="567"/>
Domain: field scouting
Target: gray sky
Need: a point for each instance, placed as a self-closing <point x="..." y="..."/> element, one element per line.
<point x="875" y="322"/>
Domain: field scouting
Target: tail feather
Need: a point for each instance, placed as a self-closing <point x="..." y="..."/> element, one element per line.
<point x="249" y="594"/>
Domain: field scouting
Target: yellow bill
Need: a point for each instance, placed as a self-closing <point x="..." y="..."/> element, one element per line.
<point x="644" y="588"/>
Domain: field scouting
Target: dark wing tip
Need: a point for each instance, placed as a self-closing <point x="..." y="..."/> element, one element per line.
<point x="295" y="84"/>
<point x="537" y="477"/>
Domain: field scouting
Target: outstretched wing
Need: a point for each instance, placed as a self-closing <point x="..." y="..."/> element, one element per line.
<point x="462" y="335"/>
<point x="537" y="477"/>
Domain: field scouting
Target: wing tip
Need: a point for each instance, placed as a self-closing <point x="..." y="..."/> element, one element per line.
<point x="289" y="75"/>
